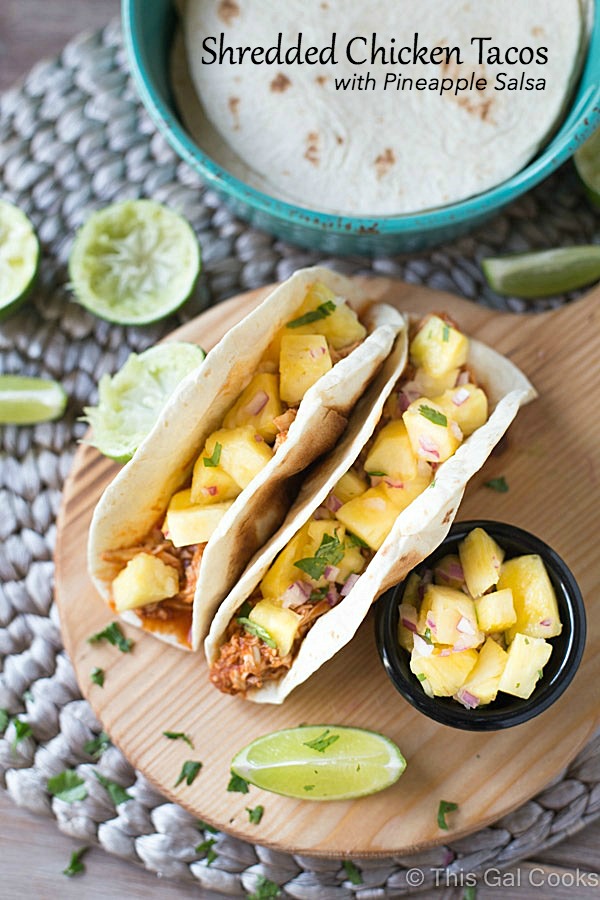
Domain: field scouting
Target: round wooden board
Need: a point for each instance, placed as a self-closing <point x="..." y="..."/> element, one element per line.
<point x="550" y="462"/>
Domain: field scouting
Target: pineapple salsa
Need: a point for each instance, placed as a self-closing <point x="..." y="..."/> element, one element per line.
<point x="477" y="624"/>
<point x="157" y="577"/>
<point x="435" y="405"/>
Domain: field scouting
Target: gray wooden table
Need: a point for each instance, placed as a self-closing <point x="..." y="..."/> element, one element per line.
<point x="34" y="852"/>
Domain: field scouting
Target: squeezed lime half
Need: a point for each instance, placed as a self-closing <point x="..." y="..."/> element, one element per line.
<point x="130" y="402"/>
<point x="134" y="262"/>
<point x="19" y="257"/>
<point x="587" y="163"/>
<point x="543" y="273"/>
<point x="27" y="401"/>
<point x="321" y="762"/>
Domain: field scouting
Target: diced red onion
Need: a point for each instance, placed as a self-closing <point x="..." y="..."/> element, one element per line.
<point x="427" y="446"/>
<point x="455" y="429"/>
<point x="349" y="584"/>
<point x="333" y="503"/>
<point x="331" y="573"/>
<point x="431" y="623"/>
<point x="445" y="652"/>
<point x="408" y="617"/>
<point x="465" y="626"/>
<point x="296" y="594"/>
<point x="467" y="699"/>
<point x="315" y="352"/>
<point x="375" y="503"/>
<point x="422" y="648"/>
<point x="411" y="391"/>
<point x="449" y="857"/>
<point x="427" y="577"/>
<point x="463" y="378"/>
<point x="258" y="438"/>
<point x="460" y="396"/>
<point x="210" y="491"/>
<point x="321" y="513"/>
<point x="403" y="401"/>
<point x="545" y="622"/>
<point x="332" y="596"/>
<point x="394" y="484"/>
<point x="257" y="403"/>
<point x="451" y="571"/>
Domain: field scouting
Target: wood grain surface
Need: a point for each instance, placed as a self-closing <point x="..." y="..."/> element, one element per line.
<point x="158" y="688"/>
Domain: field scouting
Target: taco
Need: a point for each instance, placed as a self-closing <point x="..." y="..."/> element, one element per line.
<point x="217" y="474"/>
<point x="368" y="515"/>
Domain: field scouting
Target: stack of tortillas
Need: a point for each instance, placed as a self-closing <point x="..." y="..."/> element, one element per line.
<point x="289" y="131"/>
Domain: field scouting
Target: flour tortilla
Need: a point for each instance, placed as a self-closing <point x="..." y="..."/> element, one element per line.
<point x="286" y="130"/>
<point x="139" y="495"/>
<point x="417" y="531"/>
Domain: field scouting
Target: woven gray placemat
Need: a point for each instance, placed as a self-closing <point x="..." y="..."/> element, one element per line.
<point x="74" y="137"/>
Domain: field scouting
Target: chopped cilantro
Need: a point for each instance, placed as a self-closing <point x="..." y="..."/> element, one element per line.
<point x="265" y="889"/>
<point x="97" y="676"/>
<point x="22" y="731"/>
<point x="540" y="673"/>
<point x="318" y="594"/>
<point x="4" y="720"/>
<point x="113" y="634"/>
<point x="116" y="793"/>
<point x="355" y="541"/>
<point x="245" y="609"/>
<point x="377" y="474"/>
<point x="211" y="462"/>
<point x="67" y="786"/>
<point x="445" y="806"/>
<point x="204" y="826"/>
<point x="206" y="847"/>
<point x="323" y="741"/>
<point x="433" y="415"/>
<point x="498" y="484"/>
<point x="354" y="876"/>
<point x="189" y="772"/>
<point x="309" y="787"/>
<point x="421" y="676"/>
<point x="446" y="333"/>
<point x="238" y="784"/>
<point x="257" y="630"/>
<point x="179" y="736"/>
<point x="256" y="814"/>
<point x="329" y="553"/>
<point x="76" y="867"/>
<point x="427" y="636"/>
<point x="97" y="746"/>
<point x="527" y="640"/>
<point x="321" y="312"/>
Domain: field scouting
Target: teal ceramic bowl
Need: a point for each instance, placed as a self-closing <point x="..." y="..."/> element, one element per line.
<point x="149" y="28"/>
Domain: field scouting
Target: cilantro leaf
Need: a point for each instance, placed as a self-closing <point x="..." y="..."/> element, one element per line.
<point x="113" y="634"/>
<point x="96" y="746"/>
<point x="67" y="786"/>
<point x="323" y="741"/>
<point x="445" y="806"/>
<point x="318" y="594"/>
<point x="206" y="847"/>
<point x="257" y="630"/>
<point x="256" y="814"/>
<point x="433" y="415"/>
<point x="238" y="784"/>
<point x="321" y="312"/>
<point x="446" y="333"/>
<point x="97" y="676"/>
<point x="498" y="484"/>
<point x="354" y="876"/>
<point x="355" y="541"/>
<point x="4" y="720"/>
<point x="179" y="736"/>
<point x="22" y="731"/>
<point x="76" y="867"/>
<point x="116" y="793"/>
<point x="329" y="553"/>
<point x="189" y="772"/>
<point x="265" y="889"/>
<point x="211" y="462"/>
<point x="204" y="826"/>
<point x="376" y="474"/>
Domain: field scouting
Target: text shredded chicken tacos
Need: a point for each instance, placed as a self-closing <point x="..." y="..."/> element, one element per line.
<point x="217" y="474"/>
<point x="369" y="513"/>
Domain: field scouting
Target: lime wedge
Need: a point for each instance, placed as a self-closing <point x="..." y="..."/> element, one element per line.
<point x="543" y="273"/>
<point x="134" y="262"/>
<point x="26" y="401"/>
<point x="130" y="401"/>
<point x="320" y="762"/>
<point x="19" y="257"/>
<point x="587" y="163"/>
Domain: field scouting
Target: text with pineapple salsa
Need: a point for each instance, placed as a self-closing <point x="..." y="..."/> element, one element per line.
<point x="432" y="409"/>
<point x="477" y="624"/>
<point x="157" y="577"/>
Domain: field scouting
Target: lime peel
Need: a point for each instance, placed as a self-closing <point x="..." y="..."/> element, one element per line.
<point x="19" y="258"/>
<point x="294" y="762"/>
<point x="27" y="400"/>
<point x="130" y="402"/>
<point x="587" y="164"/>
<point x="543" y="273"/>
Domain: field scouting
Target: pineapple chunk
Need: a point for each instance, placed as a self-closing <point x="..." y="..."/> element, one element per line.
<point x="432" y="434"/>
<point x="257" y="406"/>
<point x="444" y="675"/>
<point x="188" y="523"/>
<point x="438" y="347"/>
<point x="481" y="558"/>
<point x="402" y="493"/>
<point x="212" y="484"/>
<point x="340" y="326"/>
<point x="281" y="623"/>
<point x="410" y="595"/>
<point x="484" y="678"/>
<point x="450" y="617"/>
<point x="448" y="572"/>
<point x="431" y="385"/>
<point x="527" y="657"/>
<point x="282" y="572"/>
<point x="145" y="579"/>
<point x="242" y="456"/>
<point x="391" y="453"/>
<point x="467" y="405"/>
<point x="349" y="486"/>
<point x="370" y="516"/>
<point x="533" y="597"/>
<point x="495" y="611"/>
<point x="304" y="358"/>
<point x="352" y="563"/>
<point x="317" y="528"/>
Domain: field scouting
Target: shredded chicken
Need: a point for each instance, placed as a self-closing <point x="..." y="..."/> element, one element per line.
<point x="343" y="352"/>
<point x="283" y="423"/>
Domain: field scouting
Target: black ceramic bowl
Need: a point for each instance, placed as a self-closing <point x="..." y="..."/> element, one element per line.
<point x="505" y="710"/>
